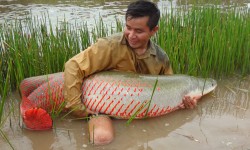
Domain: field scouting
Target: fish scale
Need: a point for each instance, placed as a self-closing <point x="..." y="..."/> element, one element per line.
<point x="115" y="105"/>
<point x="122" y="94"/>
<point x="117" y="94"/>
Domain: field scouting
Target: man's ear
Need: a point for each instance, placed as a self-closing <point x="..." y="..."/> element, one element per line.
<point x="154" y="30"/>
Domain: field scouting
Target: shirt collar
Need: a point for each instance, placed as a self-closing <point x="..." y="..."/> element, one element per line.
<point x="151" y="48"/>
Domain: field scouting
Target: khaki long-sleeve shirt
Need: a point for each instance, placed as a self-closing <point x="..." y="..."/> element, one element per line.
<point x="110" y="53"/>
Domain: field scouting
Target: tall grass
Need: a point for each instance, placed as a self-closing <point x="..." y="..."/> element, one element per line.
<point x="207" y="41"/>
<point x="5" y="89"/>
<point x="204" y="41"/>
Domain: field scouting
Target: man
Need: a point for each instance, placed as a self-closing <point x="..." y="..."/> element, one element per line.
<point x="131" y="51"/>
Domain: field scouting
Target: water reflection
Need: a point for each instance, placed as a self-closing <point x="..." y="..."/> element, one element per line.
<point x="71" y="11"/>
<point x="77" y="11"/>
<point x="231" y="98"/>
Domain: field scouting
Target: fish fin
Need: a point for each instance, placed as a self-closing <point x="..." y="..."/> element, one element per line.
<point x="37" y="119"/>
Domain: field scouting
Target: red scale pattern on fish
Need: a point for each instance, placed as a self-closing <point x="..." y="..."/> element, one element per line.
<point x="118" y="97"/>
<point x="35" y="111"/>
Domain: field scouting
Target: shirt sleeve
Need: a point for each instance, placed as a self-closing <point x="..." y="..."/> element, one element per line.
<point x="95" y="58"/>
<point x="168" y="69"/>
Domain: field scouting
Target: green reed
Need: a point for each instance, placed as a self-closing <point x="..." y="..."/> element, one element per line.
<point x="202" y="41"/>
<point x="5" y="89"/>
<point x="207" y="41"/>
<point x="141" y="108"/>
<point x="4" y="93"/>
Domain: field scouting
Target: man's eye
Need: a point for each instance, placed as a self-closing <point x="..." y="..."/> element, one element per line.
<point x="128" y="28"/>
<point x="139" y="31"/>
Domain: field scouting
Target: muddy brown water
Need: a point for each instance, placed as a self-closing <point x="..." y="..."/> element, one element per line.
<point x="221" y="121"/>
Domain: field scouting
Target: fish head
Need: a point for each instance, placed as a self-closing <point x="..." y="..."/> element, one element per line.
<point x="202" y="86"/>
<point x="206" y="85"/>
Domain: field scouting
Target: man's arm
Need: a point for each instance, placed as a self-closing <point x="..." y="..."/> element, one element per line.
<point x="168" y="68"/>
<point x="73" y="77"/>
<point x="96" y="58"/>
<point x="168" y="71"/>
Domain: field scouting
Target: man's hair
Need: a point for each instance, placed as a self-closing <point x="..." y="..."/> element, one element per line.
<point x="144" y="8"/>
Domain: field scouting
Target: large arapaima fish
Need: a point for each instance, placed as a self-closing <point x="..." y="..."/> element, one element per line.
<point x="117" y="94"/>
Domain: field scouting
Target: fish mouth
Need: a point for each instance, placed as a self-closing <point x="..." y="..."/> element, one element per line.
<point x="211" y="88"/>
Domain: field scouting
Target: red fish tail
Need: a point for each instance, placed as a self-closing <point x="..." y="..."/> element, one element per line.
<point x="37" y="119"/>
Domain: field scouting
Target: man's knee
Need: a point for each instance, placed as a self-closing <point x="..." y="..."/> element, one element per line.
<point x="101" y="130"/>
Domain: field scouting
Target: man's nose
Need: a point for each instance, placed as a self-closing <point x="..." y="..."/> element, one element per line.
<point x="132" y="34"/>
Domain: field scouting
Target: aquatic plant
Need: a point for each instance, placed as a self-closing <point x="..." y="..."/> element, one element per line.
<point x="143" y="105"/>
<point x="207" y="41"/>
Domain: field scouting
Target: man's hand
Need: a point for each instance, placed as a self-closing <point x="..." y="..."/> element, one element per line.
<point x="82" y="113"/>
<point x="79" y="111"/>
<point x="189" y="102"/>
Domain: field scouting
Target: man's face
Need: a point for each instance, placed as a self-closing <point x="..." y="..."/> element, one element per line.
<point x="138" y="33"/>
